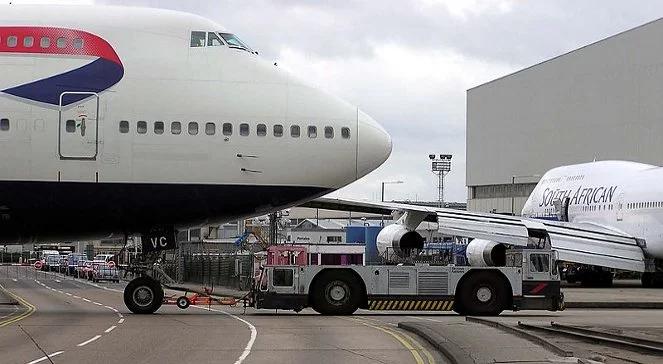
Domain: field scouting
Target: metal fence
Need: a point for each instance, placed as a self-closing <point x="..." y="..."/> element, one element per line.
<point x="210" y="265"/>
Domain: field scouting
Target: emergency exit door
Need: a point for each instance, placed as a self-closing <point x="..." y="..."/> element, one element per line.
<point x="79" y="126"/>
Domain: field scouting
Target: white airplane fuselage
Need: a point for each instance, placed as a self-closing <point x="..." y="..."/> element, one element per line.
<point x="117" y="119"/>
<point x="624" y="196"/>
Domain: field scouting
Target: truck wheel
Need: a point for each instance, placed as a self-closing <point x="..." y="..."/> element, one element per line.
<point x="336" y="293"/>
<point x="183" y="302"/>
<point x="482" y="294"/>
<point x="143" y="295"/>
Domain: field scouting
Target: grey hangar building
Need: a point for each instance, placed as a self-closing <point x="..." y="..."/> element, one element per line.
<point x="603" y="101"/>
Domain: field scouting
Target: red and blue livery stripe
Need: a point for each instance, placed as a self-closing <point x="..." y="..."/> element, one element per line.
<point x="102" y="73"/>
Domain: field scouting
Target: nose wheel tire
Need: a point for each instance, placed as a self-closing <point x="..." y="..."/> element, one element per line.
<point x="183" y="302"/>
<point x="143" y="295"/>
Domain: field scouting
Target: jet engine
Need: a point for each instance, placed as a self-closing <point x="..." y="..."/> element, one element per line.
<point x="397" y="239"/>
<point x="485" y="253"/>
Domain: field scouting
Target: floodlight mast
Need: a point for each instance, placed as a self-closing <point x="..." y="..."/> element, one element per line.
<point x="441" y="167"/>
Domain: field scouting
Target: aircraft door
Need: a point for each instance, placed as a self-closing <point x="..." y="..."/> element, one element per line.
<point x="620" y="206"/>
<point x="78" y="137"/>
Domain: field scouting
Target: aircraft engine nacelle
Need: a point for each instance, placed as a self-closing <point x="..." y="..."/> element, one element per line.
<point x="397" y="239"/>
<point x="485" y="253"/>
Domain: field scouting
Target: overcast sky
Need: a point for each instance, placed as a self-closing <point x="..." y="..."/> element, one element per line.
<point x="408" y="63"/>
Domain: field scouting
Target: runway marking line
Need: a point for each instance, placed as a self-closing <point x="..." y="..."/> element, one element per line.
<point x="89" y="341"/>
<point x="398" y="336"/>
<point x="121" y="321"/>
<point x="46" y="357"/>
<point x="30" y="309"/>
<point x="254" y="332"/>
<point x="110" y="329"/>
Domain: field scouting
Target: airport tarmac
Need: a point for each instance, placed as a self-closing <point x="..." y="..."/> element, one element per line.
<point x="76" y="321"/>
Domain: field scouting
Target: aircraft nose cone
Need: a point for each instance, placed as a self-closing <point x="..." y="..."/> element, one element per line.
<point x="373" y="145"/>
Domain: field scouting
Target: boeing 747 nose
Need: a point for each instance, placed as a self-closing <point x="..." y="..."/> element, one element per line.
<point x="373" y="146"/>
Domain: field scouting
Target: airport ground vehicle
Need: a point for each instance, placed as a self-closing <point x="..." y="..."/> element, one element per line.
<point x="529" y="280"/>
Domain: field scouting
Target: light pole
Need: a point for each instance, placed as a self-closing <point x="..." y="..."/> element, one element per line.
<point x="513" y="189"/>
<point x="440" y="167"/>
<point x="389" y="183"/>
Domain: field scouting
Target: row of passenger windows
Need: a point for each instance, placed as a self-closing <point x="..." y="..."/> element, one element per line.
<point x="644" y="205"/>
<point x="44" y="42"/>
<point x="227" y="129"/>
<point x="596" y="207"/>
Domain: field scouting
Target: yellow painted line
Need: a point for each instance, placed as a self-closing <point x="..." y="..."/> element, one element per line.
<point x="427" y="353"/>
<point x="30" y="309"/>
<point x="415" y="353"/>
<point x="401" y="304"/>
<point x="416" y="307"/>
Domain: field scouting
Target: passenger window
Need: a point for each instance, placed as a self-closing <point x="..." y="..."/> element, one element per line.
<point x="61" y="42"/>
<point x="45" y="42"/>
<point x="294" y="131"/>
<point x="227" y="129"/>
<point x="124" y="126"/>
<point x="198" y="39"/>
<point x="539" y="263"/>
<point x="78" y="43"/>
<point x="176" y="127"/>
<point x="278" y="130"/>
<point x="70" y="126"/>
<point x="244" y="129"/>
<point x="12" y="41"/>
<point x="193" y="128"/>
<point x="28" y="42"/>
<point x="329" y="132"/>
<point x="262" y="130"/>
<point x="213" y="40"/>
<point x="210" y="128"/>
<point x="4" y="124"/>
<point x="283" y="277"/>
<point x="142" y="127"/>
<point x="345" y="133"/>
<point x="312" y="132"/>
<point x="158" y="127"/>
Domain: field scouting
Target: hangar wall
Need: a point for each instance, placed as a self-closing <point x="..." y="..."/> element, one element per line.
<point x="602" y="101"/>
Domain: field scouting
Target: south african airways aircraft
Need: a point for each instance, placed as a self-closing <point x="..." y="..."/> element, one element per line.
<point x="116" y="120"/>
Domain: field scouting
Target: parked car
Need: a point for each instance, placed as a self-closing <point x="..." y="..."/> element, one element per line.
<point x="103" y="272"/>
<point x="105" y="257"/>
<point x="52" y="263"/>
<point x="72" y="263"/>
<point x="44" y="258"/>
<point x="93" y="265"/>
<point x="80" y="268"/>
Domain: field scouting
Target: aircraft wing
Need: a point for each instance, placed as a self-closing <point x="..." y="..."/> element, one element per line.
<point x="575" y="242"/>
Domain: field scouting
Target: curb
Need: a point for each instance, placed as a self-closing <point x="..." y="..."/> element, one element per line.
<point x="616" y="305"/>
<point x="451" y="351"/>
<point x="536" y="339"/>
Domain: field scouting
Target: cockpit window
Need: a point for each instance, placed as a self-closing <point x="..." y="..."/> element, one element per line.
<point x="234" y="42"/>
<point x="213" y="40"/>
<point x="198" y="39"/>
